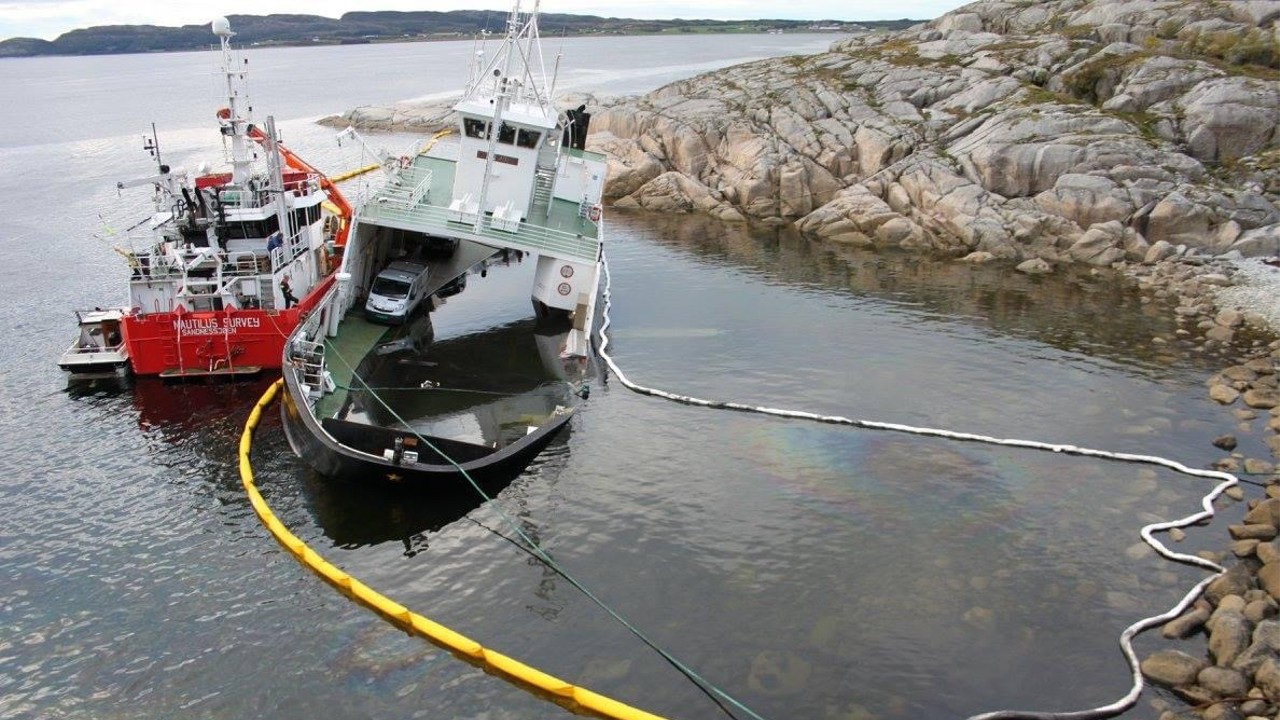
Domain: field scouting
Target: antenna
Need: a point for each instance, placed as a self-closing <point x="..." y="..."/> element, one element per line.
<point x="152" y="145"/>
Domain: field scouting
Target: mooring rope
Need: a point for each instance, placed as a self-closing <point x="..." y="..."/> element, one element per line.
<point x="1126" y="638"/>
<point x="717" y="695"/>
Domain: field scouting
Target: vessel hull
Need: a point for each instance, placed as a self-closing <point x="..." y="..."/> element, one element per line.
<point x="222" y="342"/>
<point x="336" y="457"/>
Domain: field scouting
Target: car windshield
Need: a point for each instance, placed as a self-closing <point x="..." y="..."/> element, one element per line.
<point x="388" y="288"/>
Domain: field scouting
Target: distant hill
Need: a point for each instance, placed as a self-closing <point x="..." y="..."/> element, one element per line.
<point x="386" y="26"/>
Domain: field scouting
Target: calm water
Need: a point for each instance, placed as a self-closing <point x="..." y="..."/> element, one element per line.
<point x="812" y="571"/>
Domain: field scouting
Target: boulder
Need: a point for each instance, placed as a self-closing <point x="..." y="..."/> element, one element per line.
<point x="630" y="167"/>
<point x="1252" y="532"/>
<point x="1186" y="624"/>
<point x="1229" y="637"/>
<point x="1159" y="251"/>
<point x="1262" y="398"/>
<point x="1035" y="266"/>
<point x="1265" y="645"/>
<point x="1267" y="677"/>
<point x="1265" y="512"/>
<point x="1235" y="581"/>
<point x="778" y="673"/>
<point x="1224" y="394"/>
<point x="1229" y="118"/>
<point x="1177" y="220"/>
<point x="1101" y="245"/>
<point x="1224" y="682"/>
<point x="1086" y="199"/>
<point x="1269" y="579"/>
<point x="1259" y="242"/>
<point x="1172" y="668"/>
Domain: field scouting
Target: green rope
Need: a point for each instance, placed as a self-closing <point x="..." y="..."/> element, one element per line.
<point x="707" y="687"/>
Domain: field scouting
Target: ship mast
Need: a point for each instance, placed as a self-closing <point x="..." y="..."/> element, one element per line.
<point x="234" y="125"/>
<point x="517" y="68"/>
<point x="514" y="78"/>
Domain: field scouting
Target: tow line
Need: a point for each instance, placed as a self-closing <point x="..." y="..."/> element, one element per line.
<point x="1227" y="481"/>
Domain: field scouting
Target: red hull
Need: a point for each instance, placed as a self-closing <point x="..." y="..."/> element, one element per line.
<point x="215" y="341"/>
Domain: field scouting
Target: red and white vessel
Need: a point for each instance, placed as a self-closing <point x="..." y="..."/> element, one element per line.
<point x="229" y="262"/>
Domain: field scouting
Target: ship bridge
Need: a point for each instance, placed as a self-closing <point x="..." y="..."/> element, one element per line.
<point x="517" y="178"/>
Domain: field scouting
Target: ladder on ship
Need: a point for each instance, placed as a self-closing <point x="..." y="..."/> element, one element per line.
<point x="267" y="293"/>
<point x="544" y="181"/>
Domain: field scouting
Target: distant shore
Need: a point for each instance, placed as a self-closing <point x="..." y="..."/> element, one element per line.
<point x="360" y="28"/>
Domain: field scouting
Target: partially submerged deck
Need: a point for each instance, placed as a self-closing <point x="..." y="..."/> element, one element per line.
<point x="344" y="352"/>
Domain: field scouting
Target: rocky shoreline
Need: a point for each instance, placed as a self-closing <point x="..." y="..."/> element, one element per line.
<point x="1228" y="307"/>
<point x="1134" y="136"/>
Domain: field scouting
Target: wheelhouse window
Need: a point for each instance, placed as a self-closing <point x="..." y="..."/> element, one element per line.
<point x="475" y="128"/>
<point x="507" y="134"/>
<point x="528" y="139"/>
<point x="251" y="229"/>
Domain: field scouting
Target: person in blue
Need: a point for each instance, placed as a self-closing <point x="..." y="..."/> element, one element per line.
<point x="274" y="241"/>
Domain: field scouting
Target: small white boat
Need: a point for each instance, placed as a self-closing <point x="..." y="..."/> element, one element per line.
<point x="99" y="349"/>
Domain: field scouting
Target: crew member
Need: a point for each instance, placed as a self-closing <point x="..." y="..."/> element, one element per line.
<point x="287" y="292"/>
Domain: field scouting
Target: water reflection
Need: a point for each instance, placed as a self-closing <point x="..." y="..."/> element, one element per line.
<point x="485" y="388"/>
<point x="81" y="387"/>
<point x="1074" y="310"/>
<point x="355" y="515"/>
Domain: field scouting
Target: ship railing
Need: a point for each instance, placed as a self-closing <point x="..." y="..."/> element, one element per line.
<point x="93" y="349"/>
<point x="148" y="267"/>
<point x="146" y="264"/>
<point x="289" y="250"/>
<point x="242" y="264"/>
<point x="200" y="288"/>
<point x="306" y="358"/>
<point x="529" y="236"/>
<point x="407" y="191"/>
<point x="304" y="354"/>
<point x="246" y="199"/>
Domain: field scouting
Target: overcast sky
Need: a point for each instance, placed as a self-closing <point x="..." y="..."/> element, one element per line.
<point x="50" y="18"/>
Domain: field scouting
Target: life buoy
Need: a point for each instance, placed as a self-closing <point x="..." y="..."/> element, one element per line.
<point x="594" y="213"/>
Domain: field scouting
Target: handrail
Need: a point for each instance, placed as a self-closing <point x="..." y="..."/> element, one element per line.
<point x="421" y="190"/>
<point x="531" y="235"/>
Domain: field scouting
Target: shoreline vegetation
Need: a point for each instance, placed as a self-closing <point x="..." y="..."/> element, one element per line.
<point x="390" y="26"/>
